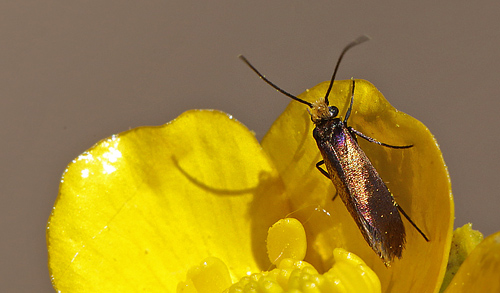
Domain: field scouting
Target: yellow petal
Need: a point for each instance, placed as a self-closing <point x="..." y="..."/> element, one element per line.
<point x="138" y="209"/>
<point x="417" y="177"/>
<point x="481" y="270"/>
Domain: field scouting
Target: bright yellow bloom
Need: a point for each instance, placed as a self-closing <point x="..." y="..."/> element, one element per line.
<point x="190" y="202"/>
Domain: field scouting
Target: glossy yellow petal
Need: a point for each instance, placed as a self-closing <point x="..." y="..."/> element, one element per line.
<point x="138" y="209"/>
<point x="481" y="269"/>
<point x="464" y="240"/>
<point x="417" y="177"/>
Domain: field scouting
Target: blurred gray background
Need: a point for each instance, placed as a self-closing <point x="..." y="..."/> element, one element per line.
<point x="74" y="72"/>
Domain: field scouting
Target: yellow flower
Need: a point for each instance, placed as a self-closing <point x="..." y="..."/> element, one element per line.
<point x="141" y="210"/>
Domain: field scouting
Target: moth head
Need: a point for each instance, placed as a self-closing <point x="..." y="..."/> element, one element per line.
<point x="320" y="111"/>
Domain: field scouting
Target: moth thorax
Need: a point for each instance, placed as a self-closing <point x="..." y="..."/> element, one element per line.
<point x="320" y="111"/>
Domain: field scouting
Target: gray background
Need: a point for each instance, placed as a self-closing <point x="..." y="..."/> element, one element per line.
<point x="74" y="72"/>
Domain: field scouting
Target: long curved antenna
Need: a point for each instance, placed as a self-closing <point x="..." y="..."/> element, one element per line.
<point x="359" y="40"/>
<point x="272" y="84"/>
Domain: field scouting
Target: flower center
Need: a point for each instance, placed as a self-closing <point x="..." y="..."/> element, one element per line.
<point x="286" y="244"/>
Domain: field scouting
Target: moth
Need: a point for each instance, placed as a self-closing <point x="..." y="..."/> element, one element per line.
<point x="362" y="190"/>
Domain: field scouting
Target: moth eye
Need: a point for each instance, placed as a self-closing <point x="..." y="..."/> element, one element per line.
<point x="334" y="111"/>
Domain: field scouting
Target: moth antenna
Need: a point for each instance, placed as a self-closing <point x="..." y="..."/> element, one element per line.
<point x="359" y="40"/>
<point x="272" y="84"/>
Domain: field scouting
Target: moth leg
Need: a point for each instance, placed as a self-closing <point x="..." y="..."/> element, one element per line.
<point x="378" y="142"/>
<point x="348" y="113"/>
<point x="324" y="172"/>
<point x="411" y="222"/>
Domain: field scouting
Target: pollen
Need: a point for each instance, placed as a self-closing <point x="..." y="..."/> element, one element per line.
<point x="286" y="239"/>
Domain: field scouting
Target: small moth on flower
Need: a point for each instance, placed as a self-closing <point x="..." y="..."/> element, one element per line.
<point x="358" y="183"/>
